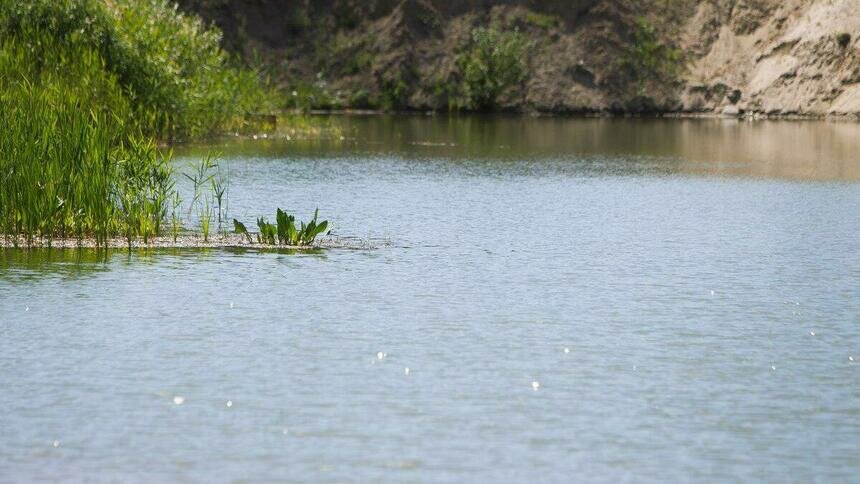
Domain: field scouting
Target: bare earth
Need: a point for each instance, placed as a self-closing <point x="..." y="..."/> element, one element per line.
<point x="754" y="58"/>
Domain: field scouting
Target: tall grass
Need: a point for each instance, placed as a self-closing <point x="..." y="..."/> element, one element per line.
<point x="68" y="170"/>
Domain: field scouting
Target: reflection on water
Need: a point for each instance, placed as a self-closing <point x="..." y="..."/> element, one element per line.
<point x="802" y="150"/>
<point x="20" y="264"/>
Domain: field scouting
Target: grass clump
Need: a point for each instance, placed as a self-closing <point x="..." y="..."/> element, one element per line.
<point x="494" y="62"/>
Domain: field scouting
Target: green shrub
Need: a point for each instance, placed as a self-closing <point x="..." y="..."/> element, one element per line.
<point x="394" y="92"/>
<point x="494" y="61"/>
<point x="173" y="72"/>
<point x="843" y="39"/>
<point x="648" y="58"/>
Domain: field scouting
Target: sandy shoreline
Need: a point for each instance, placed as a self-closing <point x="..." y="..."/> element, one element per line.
<point x="184" y="241"/>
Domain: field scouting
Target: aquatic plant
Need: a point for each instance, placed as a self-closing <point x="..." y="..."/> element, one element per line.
<point x="219" y="190"/>
<point x="205" y="215"/>
<point x="205" y="174"/>
<point x="240" y="228"/>
<point x="285" y="231"/>
<point x="176" y="223"/>
<point x="202" y="173"/>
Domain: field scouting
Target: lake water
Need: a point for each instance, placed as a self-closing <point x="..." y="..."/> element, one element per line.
<point x="685" y="293"/>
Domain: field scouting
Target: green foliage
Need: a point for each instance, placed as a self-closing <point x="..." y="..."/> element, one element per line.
<point x="298" y="19"/>
<point x="170" y="68"/>
<point x="843" y="39"/>
<point x="361" y="99"/>
<point x="67" y="170"/>
<point x="306" y="96"/>
<point x="360" y="61"/>
<point x="495" y="61"/>
<point x="284" y="231"/>
<point x="240" y="228"/>
<point x="648" y="58"/>
<point x="542" y="21"/>
<point x="267" y="232"/>
<point x="206" y="175"/>
<point x="394" y="92"/>
<point x="175" y="214"/>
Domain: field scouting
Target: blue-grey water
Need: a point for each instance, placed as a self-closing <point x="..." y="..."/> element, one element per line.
<point x="685" y="296"/>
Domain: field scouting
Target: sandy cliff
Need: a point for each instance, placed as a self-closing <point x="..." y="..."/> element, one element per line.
<point x="753" y="57"/>
<point x="788" y="57"/>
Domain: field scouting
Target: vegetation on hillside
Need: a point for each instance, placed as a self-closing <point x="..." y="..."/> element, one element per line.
<point x="493" y="62"/>
<point x="648" y="58"/>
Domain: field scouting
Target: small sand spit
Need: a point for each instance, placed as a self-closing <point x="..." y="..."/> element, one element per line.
<point x="191" y="241"/>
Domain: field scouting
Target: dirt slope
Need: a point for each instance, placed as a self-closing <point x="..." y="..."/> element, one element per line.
<point x="754" y="57"/>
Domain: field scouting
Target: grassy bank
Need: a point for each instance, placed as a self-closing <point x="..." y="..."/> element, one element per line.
<point x="86" y="89"/>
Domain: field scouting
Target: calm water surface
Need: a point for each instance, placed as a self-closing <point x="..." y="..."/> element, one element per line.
<point x="704" y="277"/>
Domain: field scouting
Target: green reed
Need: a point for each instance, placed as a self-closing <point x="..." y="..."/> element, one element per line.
<point x="68" y="172"/>
<point x="72" y="164"/>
